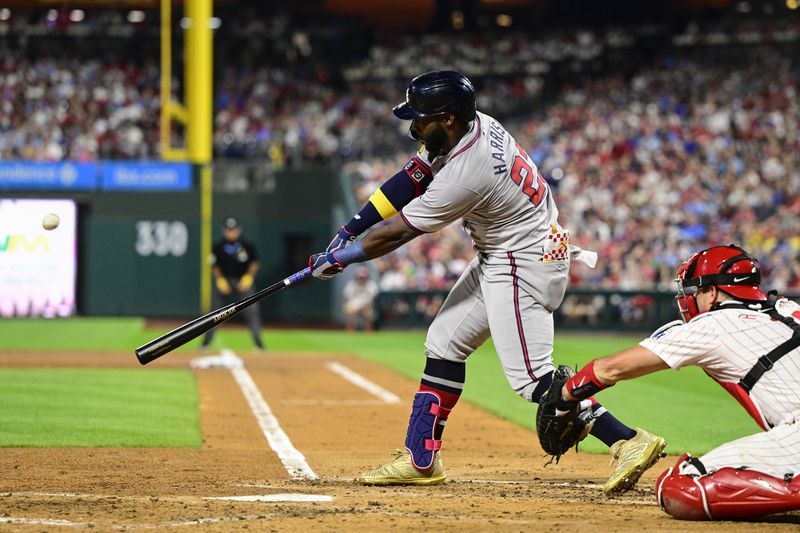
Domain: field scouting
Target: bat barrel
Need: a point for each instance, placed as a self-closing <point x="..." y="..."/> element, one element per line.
<point x="185" y="333"/>
<point x="180" y="335"/>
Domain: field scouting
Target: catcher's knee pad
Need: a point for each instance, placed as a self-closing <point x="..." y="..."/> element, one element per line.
<point x="724" y="494"/>
<point x="426" y="414"/>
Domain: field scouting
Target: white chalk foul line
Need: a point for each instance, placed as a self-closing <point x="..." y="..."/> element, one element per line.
<point x="276" y="498"/>
<point x="360" y="381"/>
<point x="294" y="461"/>
<point x="38" y="521"/>
<point x="125" y="527"/>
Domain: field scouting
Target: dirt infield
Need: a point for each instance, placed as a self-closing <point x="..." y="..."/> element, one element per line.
<point x="497" y="478"/>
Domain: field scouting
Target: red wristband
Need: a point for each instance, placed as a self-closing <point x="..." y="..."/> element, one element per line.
<point x="585" y="383"/>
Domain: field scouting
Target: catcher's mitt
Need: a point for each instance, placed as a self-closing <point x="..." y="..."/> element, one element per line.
<point x="557" y="434"/>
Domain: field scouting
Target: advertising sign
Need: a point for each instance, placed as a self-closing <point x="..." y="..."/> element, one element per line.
<point x="146" y="176"/>
<point x="38" y="267"/>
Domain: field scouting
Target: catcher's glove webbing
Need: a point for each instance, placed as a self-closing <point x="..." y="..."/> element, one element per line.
<point x="557" y="434"/>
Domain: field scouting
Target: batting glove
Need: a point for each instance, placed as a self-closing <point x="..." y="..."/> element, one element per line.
<point x="343" y="239"/>
<point x="324" y="265"/>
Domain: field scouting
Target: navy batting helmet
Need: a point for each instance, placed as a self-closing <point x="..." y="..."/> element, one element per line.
<point x="437" y="93"/>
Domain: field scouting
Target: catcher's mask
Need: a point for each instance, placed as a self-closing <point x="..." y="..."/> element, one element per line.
<point x="729" y="268"/>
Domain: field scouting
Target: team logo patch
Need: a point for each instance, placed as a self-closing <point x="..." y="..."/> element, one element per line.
<point x="658" y="334"/>
<point x="665" y="329"/>
<point x="418" y="175"/>
<point x="556" y="247"/>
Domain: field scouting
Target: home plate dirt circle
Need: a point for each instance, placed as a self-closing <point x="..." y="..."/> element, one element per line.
<point x="496" y="474"/>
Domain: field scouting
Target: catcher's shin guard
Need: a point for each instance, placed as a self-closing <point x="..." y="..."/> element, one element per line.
<point x="427" y="415"/>
<point x="727" y="493"/>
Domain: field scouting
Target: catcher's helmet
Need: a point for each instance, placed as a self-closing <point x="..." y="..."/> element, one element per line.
<point x="437" y="93"/>
<point x="729" y="268"/>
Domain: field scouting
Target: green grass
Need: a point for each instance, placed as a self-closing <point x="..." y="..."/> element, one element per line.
<point x="92" y="407"/>
<point x="687" y="407"/>
<point x="72" y="333"/>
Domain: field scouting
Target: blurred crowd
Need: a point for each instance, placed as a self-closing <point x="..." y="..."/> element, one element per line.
<point x="80" y="109"/>
<point x="654" y="143"/>
<point x="691" y="151"/>
<point x="647" y="169"/>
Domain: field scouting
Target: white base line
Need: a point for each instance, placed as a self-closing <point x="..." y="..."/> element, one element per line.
<point x="360" y="381"/>
<point x="275" y="498"/>
<point x="294" y="461"/>
<point x="125" y="527"/>
<point x="38" y="521"/>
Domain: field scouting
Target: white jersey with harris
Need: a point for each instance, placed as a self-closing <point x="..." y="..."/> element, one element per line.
<point x="509" y="291"/>
<point x="493" y="185"/>
<point x="726" y="343"/>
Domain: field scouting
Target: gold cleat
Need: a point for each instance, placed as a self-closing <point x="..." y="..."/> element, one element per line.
<point x="400" y="471"/>
<point x="633" y="457"/>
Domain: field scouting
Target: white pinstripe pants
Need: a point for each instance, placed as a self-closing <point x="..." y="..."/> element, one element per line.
<point x="775" y="452"/>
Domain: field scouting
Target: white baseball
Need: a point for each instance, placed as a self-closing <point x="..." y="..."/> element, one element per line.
<point x="50" y="221"/>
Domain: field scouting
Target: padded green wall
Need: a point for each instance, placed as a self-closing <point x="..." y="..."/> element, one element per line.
<point x="114" y="279"/>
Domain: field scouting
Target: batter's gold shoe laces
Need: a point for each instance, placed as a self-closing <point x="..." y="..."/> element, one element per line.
<point x="400" y="471"/>
<point x="632" y="458"/>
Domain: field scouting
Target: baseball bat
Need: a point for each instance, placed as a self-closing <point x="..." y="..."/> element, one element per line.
<point x="191" y="330"/>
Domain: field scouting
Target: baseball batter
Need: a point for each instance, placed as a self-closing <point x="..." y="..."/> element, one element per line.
<point x="747" y="341"/>
<point x="471" y="169"/>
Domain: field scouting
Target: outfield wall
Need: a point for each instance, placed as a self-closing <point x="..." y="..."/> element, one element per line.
<point x="138" y="247"/>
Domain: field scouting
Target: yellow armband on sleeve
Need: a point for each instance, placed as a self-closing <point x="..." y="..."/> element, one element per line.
<point x="382" y="204"/>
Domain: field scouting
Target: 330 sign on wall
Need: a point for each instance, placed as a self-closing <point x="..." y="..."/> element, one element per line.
<point x="161" y="238"/>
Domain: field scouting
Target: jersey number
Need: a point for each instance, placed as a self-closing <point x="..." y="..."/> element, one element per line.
<point x="522" y="172"/>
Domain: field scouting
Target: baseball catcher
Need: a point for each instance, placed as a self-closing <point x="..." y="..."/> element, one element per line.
<point x="562" y="424"/>
<point x="746" y="340"/>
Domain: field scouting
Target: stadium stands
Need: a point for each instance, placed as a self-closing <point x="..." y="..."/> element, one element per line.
<point x="651" y="154"/>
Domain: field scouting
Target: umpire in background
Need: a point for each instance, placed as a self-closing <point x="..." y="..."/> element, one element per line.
<point x="235" y="265"/>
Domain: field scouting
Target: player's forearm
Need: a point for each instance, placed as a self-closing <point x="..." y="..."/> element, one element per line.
<point x="600" y="374"/>
<point x="376" y="244"/>
<point x="628" y="364"/>
<point x="383" y="240"/>
<point x="387" y="239"/>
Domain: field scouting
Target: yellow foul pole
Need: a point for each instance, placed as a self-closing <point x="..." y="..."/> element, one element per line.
<point x="166" y="75"/>
<point x="169" y="108"/>
<point x="198" y="56"/>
